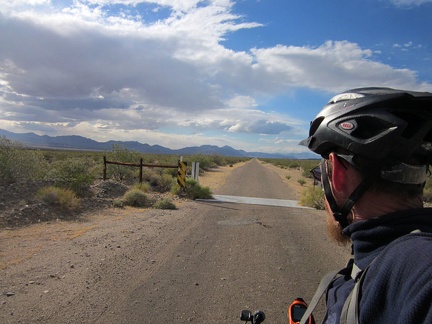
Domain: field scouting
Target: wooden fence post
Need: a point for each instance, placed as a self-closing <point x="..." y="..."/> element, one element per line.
<point x="140" y="165"/>
<point x="141" y="171"/>
<point x="105" y="168"/>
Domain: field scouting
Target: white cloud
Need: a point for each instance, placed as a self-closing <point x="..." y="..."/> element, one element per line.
<point x="176" y="5"/>
<point x="264" y="127"/>
<point x="81" y="70"/>
<point x="409" y="3"/>
<point x="408" y="46"/>
<point x="333" y="66"/>
<point x="20" y="3"/>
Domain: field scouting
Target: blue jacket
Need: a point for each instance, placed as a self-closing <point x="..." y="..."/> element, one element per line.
<point x="398" y="285"/>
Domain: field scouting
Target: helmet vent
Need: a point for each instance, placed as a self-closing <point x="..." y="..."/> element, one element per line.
<point x="314" y="126"/>
<point x="369" y="127"/>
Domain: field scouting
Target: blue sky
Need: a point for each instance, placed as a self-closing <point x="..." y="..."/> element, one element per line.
<point x="250" y="74"/>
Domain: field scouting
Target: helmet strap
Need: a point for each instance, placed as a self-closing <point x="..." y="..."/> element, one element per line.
<point x="340" y="213"/>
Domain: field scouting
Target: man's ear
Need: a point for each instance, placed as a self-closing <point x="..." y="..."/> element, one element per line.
<point x="339" y="174"/>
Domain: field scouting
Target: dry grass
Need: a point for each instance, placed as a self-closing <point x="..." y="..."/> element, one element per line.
<point x="19" y="245"/>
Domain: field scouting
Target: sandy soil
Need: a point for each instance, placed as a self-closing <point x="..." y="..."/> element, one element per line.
<point x="21" y="244"/>
<point x="62" y="256"/>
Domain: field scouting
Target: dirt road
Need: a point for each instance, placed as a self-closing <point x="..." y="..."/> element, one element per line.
<point x="202" y="263"/>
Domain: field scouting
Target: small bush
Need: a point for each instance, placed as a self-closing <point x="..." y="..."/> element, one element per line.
<point x="20" y="164"/>
<point x="294" y="165"/>
<point x="288" y="177"/>
<point x="154" y="179"/>
<point x="194" y="191"/>
<point x="301" y="181"/>
<point x="147" y="174"/>
<point x="75" y="174"/>
<point x="136" y="198"/>
<point x="118" y="203"/>
<point x="165" y="204"/>
<point x="172" y="172"/>
<point x="119" y="153"/>
<point x="61" y="197"/>
<point x="313" y="197"/>
<point x="144" y="186"/>
<point x="205" y="162"/>
<point x="219" y="160"/>
<point x="166" y="182"/>
<point x="161" y="183"/>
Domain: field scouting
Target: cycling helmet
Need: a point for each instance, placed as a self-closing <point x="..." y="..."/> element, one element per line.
<point x="381" y="127"/>
<point x="387" y="126"/>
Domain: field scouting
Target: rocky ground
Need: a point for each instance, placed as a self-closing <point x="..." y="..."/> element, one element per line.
<point x="23" y="216"/>
<point x="84" y="266"/>
<point x="19" y="206"/>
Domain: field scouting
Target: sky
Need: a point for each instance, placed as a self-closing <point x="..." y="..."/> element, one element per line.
<point x="250" y="74"/>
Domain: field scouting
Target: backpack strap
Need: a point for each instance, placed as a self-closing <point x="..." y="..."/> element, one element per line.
<point x="322" y="288"/>
<point x="350" y="310"/>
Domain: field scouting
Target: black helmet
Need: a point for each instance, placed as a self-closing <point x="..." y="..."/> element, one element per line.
<point x="381" y="127"/>
<point x="386" y="126"/>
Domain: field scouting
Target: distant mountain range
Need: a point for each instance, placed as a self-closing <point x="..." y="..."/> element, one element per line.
<point x="75" y="142"/>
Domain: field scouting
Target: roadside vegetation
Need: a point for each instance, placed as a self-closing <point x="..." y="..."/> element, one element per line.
<point x="18" y="164"/>
<point x="63" y="198"/>
<point x="66" y="178"/>
<point x="313" y="194"/>
<point x="193" y="190"/>
<point x="70" y="175"/>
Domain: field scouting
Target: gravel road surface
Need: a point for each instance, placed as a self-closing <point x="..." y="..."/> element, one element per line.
<point x="201" y="263"/>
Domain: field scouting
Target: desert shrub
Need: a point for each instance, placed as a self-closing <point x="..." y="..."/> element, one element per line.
<point x="74" y="173"/>
<point x="313" y="197"/>
<point x="118" y="203"/>
<point x="304" y="165"/>
<point x="136" y="198"/>
<point x="121" y="154"/>
<point x="294" y="165"/>
<point x="205" y="162"/>
<point x="20" y="164"/>
<point x="164" y="204"/>
<point x="147" y="174"/>
<point x="166" y="182"/>
<point x="154" y="179"/>
<point x="120" y="172"/>
<point x="193" y="190"/>
<point x="60" y="197"/>
<point x="144" y="186"/>
<point x="161" y="183"/>
<point x="301" y="181"/>
<point x="219" y="160"/>
<point x="171" y="171"/>
<point x="110" y="189"/>
<point x="308" y="165"/>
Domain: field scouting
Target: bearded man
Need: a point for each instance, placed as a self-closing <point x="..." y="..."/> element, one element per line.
<point x="376" y="145"/>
